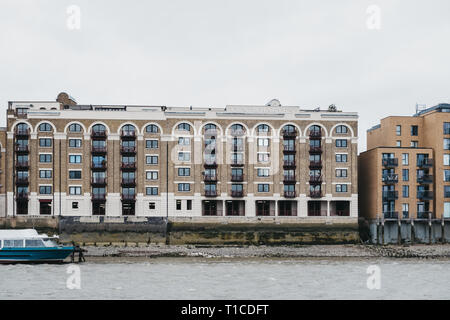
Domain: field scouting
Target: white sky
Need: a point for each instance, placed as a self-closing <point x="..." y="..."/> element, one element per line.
<point x="214" y="53"/>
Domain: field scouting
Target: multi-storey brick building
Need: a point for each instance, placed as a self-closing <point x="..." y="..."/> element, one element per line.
<point x="406" y="170"/>
<point x="79" y="160"/>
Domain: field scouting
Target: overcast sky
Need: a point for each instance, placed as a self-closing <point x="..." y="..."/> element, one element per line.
<point x="213" y="53"/>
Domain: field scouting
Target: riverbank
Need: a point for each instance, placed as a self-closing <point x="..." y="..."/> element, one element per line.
<point x="309" y="251"/>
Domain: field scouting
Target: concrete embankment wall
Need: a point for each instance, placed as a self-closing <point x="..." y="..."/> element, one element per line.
<point x="420" y="231"/>
<point x="198" y="230"/>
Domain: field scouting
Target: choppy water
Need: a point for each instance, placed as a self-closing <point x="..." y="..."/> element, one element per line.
<point x="230" y="279"/>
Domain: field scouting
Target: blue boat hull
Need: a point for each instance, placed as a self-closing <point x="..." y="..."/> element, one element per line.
<point x="40" y="254"/>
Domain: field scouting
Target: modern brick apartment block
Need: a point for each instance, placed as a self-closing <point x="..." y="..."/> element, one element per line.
<point x="270" y="160"/>
<point x="406" y="171"/>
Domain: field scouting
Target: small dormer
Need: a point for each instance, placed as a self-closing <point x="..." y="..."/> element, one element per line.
<point x="274" y="103"/>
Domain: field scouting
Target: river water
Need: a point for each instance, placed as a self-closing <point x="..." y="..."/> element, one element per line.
<point x="185" y="278"/>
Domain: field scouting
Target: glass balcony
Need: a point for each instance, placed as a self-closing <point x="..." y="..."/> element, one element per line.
<point x="390" y="178"/>
<point x="390" y="215"/>
<point x="425" y="195"/>
<point x="425" y="163"/>
<point x="390" y="162"/>
<point x="425" y="179"/>
<point x="390" y="195"/>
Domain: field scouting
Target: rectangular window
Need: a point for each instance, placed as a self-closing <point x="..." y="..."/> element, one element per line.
<point x="75" y="159"/>
<point x="446" y="144"/>
<point x="341" y="173"/>
<point x="398" y="130"/>
<point x="399" y="143"/>
<point x="263" y="142"/>
<point x="184" y="172"/>
<point x="178" y="204"/>
<point x="446" y="191"/>
<point x="405" y="191"/>
<point x="45" y="158"/>
<point x="414" y="130"/>
<point x="183" y="141"/>
<point x="263" y="157"/>
<point x="447" y="175"/>
<point x="151" y="159"/>
<point x="446" y="159"/>
<point x="152" y="175"/>
<point x="405" y="174"/>
<point x="45" y="190"/>
<point x="74" y="205"/>
<point x="184" y="187"/>
<point x="74" y="143"/>
<point x="405" y="159"/>
<point x="45" y="174"/>
<point x="446" y="127"/>
<point x="263" y="172"/>
<point x="184" y="156"/>
<point x="341" y="158"/>
<point x="414" y="144"/>
<point x="151" y="191"/>
<point x="341" y="188"/>
<point x="341" y="143"/>
<point x="152" y="205"/>
<point x="189" y="204"/>
<point x="45" y="143"/>
<point x="74" y="190"/>
<point x="151" y="144"/>
<point x="263" y="187"/>
<point x="405" y="210"/>
<point x="446" y="209"/>
<point x="74" y="174"/>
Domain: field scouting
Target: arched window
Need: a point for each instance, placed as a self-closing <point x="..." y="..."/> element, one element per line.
<point x="210" y="129"/>
<point x="22" y="126"/>
<point x="152" y="128"/>
<point x="128" y="128"/>
<point x="75" y="127"/>
<point x="263" y="128"/>
<point x="341" y="129"/>
<point x="237" y="130"/>
<point x="99" y="128"/>
<point x="45" y="127"/>
<point x="289" y="130"/>
<point x="315" y="128"/>
<point x="184" y="127"/>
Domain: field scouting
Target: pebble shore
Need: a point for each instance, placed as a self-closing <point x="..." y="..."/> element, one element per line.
<point x="310" y="251"/>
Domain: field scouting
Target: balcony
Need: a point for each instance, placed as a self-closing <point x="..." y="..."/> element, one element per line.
<point x="99" y="196"/>
<point x="315" y="134"/>
<point x="315" y="164"/>
<point x="315" y="179"/>
<point x="389" y="162"/>
<point x="128" y="166"/>
<point x="22" y="132"/>
<point x="98" y="134"/>
<point x="290" y="194"/>
<point x="23" y="181"/>
<point x="22" y="195"/>
<point x="425" y="163"/>
<point x="390" y="178"/>
<point x="128" y="197"/>
<point x="210" y="177"/>
<point x="237" y="163"/>
<point x="289" y="178"/>
<point x="210" y="163"/>
<point x="425" y="195"/>
<point x="128" y="182"/>
<point x="390" y="215"/>
<point x="22" y="164"/>
<point x="288" y="148"/>
<point x="424" y="215"/>
<point x="237" y="193"/>
<point x="405" y="214"/>
<point x="390" y="195"/>
<point x="425" y="179"/>
<point x="237" y="177"/>
<point x="99" y="181"/>
<point x="98" y="166"/>
<point x="128" y="134"/>
<point x="315" y="194"/>
<point x="128" y="150"/>
<point x="315" y="149"/>
<point x="98" y="149"/>
<point x="289" y="134"/>
<point x="22" y="149"/>
<point x="289" y="164"/>
<point x="210" y="193"/>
